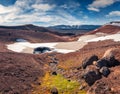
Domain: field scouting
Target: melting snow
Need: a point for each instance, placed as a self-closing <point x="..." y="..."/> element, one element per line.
<point x="86" y="37"/>
<point x="19" y="47"/>
<point x="115" y="37"/>
<point x="63" y="47"/>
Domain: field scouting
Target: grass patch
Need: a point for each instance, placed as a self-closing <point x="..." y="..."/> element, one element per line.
<point x="63" y="85"/>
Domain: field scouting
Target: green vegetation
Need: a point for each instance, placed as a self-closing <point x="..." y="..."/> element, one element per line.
<point x="63" y="85"/>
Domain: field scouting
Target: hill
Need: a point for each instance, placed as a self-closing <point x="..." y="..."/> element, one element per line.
<point x="26" y="27"/>
<point x="30" y="33"/>
<point x="110" y="28"/>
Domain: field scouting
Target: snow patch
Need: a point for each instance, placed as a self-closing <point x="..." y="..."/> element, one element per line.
<point x="86" y="37"/>
<point x="115" y="37"/>
<point x="19" y="47"/>
<point x="64" y="51"/>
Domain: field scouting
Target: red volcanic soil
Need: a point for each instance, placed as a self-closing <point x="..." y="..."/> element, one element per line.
<point x="109" y="29"/>
<point x="72" y="63"/>
<point x="18" y="72"/>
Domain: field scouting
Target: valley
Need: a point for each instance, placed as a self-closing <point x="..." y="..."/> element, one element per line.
<point x="69" y="66"/>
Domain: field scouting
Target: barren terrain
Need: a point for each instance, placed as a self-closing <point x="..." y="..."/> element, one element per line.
<point x="22" y="72"/>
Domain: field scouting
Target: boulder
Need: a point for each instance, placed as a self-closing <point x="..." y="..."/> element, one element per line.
<point x="102" y="63"/>
<point x="89" y="61"/>
<point x="110" y="55"/>
<point x="54" y="73"/>
<point x="106" y="62"/>
<point x="91" y="75"/>
<point x="54" y="91"/>
<point x="105" y="71"/>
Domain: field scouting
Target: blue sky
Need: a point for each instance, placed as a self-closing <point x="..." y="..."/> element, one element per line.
<point x="57" y="12"/>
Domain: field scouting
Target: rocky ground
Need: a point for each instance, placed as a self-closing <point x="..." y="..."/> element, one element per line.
<point x="94" y="69"/>
<point x="102" y="77"/>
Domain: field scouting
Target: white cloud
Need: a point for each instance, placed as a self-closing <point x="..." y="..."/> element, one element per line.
<point x="65" y="18"/>
<point x="97" y="4"/>
<point x="43" y="7"/>
<point x="4" y="9"/>
<point x="29" y="11"/>
<point x="93" y="9"/>
<point x="70" y="5"/>
<point x="114" y="14"/>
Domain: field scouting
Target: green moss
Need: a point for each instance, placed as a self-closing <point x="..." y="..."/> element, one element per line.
<point x="63" y="85"/>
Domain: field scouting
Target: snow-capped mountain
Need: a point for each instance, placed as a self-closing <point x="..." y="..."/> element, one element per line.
<point x="74" y="27"/>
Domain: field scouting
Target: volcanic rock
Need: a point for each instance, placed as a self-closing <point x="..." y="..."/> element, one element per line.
<point x="91" y="75"/>
<point x="106" y="62"/>
<point x="102" y="62"/>
<point x="105" y="71"/>
<point x="111" y="55"/>
<point x="54" y="91"/>
<point x="54" y="73"/>
<point x="89" y="61"/>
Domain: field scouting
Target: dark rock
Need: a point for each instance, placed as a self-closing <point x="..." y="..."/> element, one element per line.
<point x="54" y="91"/>
<point x="91" y="75"/>
<point x="54" y="60"/>
<point x="102" y="62"/>
<point x="54" y="73"/>
<point x="105" y="71"/>
<point x="69" y="80"/>
<point x="111" y="61"/>
<point x="109" y="55"/>
<point x="107" y="62"/>
<point x="89" y="61"/>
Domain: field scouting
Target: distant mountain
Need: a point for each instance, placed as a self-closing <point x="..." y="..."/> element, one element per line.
<point x="74" y="27"/>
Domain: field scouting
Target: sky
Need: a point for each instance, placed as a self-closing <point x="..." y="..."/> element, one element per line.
<point x="58" y="12"/>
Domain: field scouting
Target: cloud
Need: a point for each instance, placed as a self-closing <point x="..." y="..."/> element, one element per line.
<point x="70" y="5"/>
<point x="33" y="12"/>
<point x="43" y="7"/>
<point x="114" y="14"/>
<point x="93" y="9"/>
<point x="97" y="4"/>
<point x="65" y="18"/>
<point x="4" y="9"/>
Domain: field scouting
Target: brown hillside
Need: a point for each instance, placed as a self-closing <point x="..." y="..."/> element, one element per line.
<point x="9" y="35"/>
<point x="109" y="29"/>
<point x="18" y="72"/>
